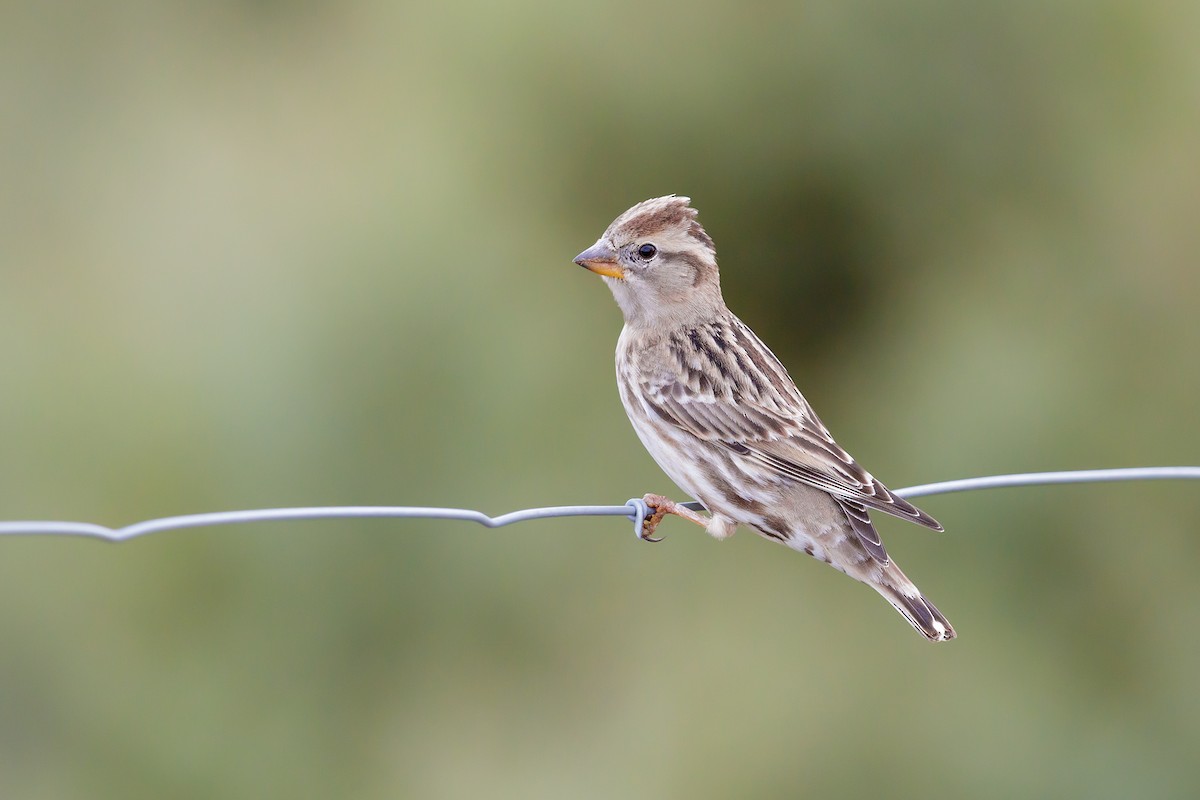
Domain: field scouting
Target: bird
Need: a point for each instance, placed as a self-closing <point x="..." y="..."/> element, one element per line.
<point x="723" y="419"/>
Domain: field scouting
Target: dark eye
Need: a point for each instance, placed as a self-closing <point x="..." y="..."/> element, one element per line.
<point x="647" y="251"/>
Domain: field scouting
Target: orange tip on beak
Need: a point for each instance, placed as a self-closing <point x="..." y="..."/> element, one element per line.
<point x="601" y="259"/>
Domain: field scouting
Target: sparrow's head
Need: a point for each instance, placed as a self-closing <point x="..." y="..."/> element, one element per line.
<point x="659" y="263"/>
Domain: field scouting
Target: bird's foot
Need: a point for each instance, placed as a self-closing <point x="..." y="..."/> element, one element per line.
<point x="661" y="507"/>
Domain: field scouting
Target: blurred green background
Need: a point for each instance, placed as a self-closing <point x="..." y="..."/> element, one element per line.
<point x="261" y="253"/>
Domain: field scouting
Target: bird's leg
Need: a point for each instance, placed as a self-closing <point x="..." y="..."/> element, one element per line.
<point x="661" y="506"/>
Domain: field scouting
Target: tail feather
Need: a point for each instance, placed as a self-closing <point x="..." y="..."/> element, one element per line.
<point x="912" y="605"/>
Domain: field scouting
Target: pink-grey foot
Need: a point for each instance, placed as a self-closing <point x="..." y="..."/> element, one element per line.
<point x="662" y="506"/>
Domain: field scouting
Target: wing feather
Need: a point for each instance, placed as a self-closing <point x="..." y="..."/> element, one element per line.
<point x="757" y="412"/>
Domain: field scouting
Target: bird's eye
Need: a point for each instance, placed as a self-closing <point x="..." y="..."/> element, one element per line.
<point x="647" y="251"/>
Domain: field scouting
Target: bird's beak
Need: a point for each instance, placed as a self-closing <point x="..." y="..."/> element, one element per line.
<point x="602" y="260"/>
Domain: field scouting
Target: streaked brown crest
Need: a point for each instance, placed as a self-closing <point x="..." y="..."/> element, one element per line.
<point x="653" y="216"/>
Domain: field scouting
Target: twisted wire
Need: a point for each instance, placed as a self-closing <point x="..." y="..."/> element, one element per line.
<point x="634" y="510"/>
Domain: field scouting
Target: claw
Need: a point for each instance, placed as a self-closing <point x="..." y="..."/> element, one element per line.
<point x="647" y="519"/>
<point x="659" y="506"/>
<point x="646" y="534"/>
<point x="641" y="513"/>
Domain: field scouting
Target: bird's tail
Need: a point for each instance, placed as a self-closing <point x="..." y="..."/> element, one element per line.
<point x="923" y="615"/>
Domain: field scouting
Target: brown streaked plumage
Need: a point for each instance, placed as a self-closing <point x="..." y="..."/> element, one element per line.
<point x="724" y="420"/>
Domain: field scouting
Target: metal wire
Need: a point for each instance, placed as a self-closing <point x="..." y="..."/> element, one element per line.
<point x="634" y="510"/>
<point x="1048" y="478"/>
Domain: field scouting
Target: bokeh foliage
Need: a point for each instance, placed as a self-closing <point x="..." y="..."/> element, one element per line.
<point x="264" y="253"/>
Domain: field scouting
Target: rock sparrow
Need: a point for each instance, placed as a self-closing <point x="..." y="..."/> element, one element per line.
<point x="723" y="419"/>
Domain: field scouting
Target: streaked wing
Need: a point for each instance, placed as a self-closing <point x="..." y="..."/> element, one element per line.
<point x="860" y="522"/>
<point x="755" y="410"/>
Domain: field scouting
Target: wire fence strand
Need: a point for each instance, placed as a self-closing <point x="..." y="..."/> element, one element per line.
<point x="634" y="510"/>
